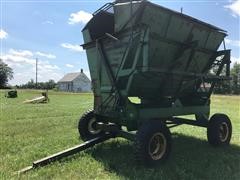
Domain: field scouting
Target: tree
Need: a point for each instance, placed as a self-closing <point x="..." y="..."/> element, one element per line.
<point x="50" y="84"/>
<point x="30" y="84"/>
<point x="6" y="74"/>
<point x="223" y="86"/>
<point x="41" y="85"/>
<point x="232" y="86"/>
<point x="235" y="74"/>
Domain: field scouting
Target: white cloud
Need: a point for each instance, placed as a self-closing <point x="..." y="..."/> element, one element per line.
<point x="48" y="22"/>
<point x="69" y="65"/>
<point x="18" y="57"/>
<point x="49" y="56"/>
<point x="233" y="42"/>
<point x="23" y="65"/>
<point x="234" y="7"/>
<point x="22" y="53"/>
<point x="79" y="17"/>
<point x="3" y="34"/>
<point x="46" y="66"/>
<point x="73" y="47"/>
<point x="27" y="53"/>
<point x="17" y="60"/>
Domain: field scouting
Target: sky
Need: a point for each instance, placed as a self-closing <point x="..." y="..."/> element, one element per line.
<point x="50" y="30"/>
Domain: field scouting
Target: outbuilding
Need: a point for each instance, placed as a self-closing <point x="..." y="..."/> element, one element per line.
<point x="75" y="82"/>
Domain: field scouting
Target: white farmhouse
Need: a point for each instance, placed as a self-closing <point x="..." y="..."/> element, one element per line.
<point x="75" y="82"/>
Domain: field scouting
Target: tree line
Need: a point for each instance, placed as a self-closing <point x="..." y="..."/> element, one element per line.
<point x="232" y="86"/>
<point x="51" y="84"/>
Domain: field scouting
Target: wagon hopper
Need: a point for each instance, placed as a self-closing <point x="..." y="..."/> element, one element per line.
<point x="167" y="60"/>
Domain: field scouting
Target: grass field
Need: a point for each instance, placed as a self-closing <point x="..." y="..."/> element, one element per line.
<point x="29" y="132"/>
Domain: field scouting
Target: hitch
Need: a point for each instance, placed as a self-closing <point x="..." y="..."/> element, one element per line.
<point x="65" y="153"/>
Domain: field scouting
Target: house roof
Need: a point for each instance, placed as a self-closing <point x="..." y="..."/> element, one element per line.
<point x="71" y="76"/>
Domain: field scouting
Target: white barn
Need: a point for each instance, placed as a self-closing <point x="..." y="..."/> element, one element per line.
<point x="75" y="82"/>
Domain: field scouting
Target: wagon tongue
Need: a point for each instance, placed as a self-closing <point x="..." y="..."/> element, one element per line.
<point x="65" y="153"/>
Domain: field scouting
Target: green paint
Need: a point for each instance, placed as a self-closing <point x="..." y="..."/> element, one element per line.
<point x="159" y="57"/>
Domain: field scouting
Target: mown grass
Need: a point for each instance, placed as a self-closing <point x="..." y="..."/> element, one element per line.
<point x="32" y="131"/>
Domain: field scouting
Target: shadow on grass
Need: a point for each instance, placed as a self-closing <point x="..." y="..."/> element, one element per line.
<point x="190" y="158"/>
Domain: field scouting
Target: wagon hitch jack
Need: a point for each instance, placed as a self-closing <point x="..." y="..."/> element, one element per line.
<point x="65" y="153"/>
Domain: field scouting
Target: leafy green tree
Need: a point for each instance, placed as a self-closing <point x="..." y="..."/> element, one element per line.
<point x="50" y="84"/>
<point x="30" y="84"/>
<point x="235" y="74"/>
<point x="6" y="74"/>
<point x="224" y="86"/>
<point x="232" y="86"/>
<point x="41" y="85"/>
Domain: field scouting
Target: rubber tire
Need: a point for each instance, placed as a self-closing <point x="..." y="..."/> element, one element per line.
<point x="143" y="137"/>
<point x="213" y="130"/>
<point x="83" y="126"/>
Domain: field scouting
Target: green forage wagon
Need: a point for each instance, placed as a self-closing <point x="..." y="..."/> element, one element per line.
<point x="149" y="67"/>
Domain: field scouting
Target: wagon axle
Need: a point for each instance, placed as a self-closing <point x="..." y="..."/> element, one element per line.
<point x="152" y="141"/>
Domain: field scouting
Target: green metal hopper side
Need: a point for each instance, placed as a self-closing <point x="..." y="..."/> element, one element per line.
<point x="139" y="49"/>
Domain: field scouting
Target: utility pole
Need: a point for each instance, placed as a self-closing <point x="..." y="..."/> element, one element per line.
<point x="36" y="71"/>
<point x="181" y="10"/>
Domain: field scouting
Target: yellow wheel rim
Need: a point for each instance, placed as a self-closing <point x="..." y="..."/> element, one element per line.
<point x="223" y="132"/>
<point x="157" y="146"/>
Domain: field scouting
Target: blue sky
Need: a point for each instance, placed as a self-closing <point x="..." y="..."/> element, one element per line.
<point x="51" y="32"/>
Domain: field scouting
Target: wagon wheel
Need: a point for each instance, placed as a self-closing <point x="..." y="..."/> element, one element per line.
<point x="153" y="143"/>
<point x="219" y="130"/>
<point x="86" y="126"/>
